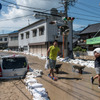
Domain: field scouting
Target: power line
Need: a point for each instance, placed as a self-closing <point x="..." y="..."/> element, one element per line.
<point x="29" y="9"/>
<point x="86" y="10"/>
<point x="56" y="8"/>
<point x="87" y="19"/>
<point x="28" y="15"/>
<point x="27" y="6"/>
<point x="17" y="8"/>
<point x="84" y="15"/>
<point x="9" y="27"/>
<point x="47" y="13"/>
<point x="32" y="14"/>
<point x="22" y="5"/>
<point x="96" y="33"/>
<point x="50" y="14"/>
<point x="16" y="17"/>
<point x="88" y="5"/>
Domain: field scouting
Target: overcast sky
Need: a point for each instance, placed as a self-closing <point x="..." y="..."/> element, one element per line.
<point x="17" y="10"/>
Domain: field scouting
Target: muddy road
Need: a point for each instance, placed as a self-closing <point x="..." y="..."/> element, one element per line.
<point x="69" y="86"/>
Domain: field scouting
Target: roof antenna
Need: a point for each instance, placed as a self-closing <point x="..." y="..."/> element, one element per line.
<point x="28" y="22"/>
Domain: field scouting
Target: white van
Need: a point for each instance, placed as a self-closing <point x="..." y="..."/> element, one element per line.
<point x="13" y="66"/>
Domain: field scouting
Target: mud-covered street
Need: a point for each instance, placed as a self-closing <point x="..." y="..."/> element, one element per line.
<point x="69" y="86"/>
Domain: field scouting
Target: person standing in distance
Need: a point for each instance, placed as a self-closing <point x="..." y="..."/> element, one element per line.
<point x="97" y="66"/>
<point x="52" y="53"/>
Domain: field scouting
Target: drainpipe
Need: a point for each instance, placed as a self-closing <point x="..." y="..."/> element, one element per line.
<point x="47" y="38"/>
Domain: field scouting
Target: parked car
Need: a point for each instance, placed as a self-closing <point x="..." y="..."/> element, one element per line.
<point x="13" y="66"/>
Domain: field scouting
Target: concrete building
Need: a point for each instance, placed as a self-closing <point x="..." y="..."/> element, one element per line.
<point x="37" y="37"/>
<point x="13" y="41"/>
<point x="3" y="41"/>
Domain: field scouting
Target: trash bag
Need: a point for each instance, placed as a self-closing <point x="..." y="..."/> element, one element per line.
<point x="47" y="64"/>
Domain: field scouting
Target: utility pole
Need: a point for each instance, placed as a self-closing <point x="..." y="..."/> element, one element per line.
<point x="68" y="38"/>
<point x="65" y="42"/>
<point x="65" y="26"/>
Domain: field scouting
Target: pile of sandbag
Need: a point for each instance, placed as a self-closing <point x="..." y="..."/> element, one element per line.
<point x="36" y="89"/>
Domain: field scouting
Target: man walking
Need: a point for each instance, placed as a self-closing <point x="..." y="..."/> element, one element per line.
<point x="97" y="66"/>
<point x="52" y="53"/>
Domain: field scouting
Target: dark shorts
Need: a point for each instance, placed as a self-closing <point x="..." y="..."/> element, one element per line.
<point x="97" y="69"/>
<point x="52" y="63"/>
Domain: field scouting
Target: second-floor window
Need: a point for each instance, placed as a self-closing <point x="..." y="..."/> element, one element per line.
<point x="5" y="39"/>
<point x="25" y="47"/>
<point x="0" y="39"/>
<point x="41" y="30"/>
<point x="14" y="38"/>
<point x="34" y="32"/>
<point x="22" y="36"/>
<point x="27" y="35"/>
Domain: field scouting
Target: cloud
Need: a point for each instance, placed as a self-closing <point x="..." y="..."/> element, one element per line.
<point x="16" y="11"/>
<point x="78" y="27"/>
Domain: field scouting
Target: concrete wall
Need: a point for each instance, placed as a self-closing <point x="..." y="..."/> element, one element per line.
<point x="12" y="43"/>
<point x="52" y="31"/>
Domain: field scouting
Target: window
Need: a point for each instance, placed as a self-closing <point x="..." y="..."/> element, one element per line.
<point x="22" y="36"/>
<point x="27" y="35"/>
<point x="25" y="47"/>
<point x="14" y="63"/>
<point x="41" y="31"/>
<point x="0" y="39"/>
<point x="14" y="38"/>
<point x="5" y="39"/>
<point x="34" y="33"/>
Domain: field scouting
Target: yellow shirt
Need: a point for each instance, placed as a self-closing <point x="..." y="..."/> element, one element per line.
<point x="53" y="52"/>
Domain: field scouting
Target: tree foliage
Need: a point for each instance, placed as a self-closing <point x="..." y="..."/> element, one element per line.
<point x="79" y="49"/>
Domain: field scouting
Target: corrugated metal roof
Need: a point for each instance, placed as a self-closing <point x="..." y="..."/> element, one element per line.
<point x="13" y="32"/>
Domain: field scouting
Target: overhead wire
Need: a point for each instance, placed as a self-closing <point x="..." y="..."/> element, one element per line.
<point x="91" y="12"/>
<point x="17" y="8"/>
<point x="22" y="5"/>
<point x="45" y="10"/>
<point x="27" y="15"/>
<point x="84" y="15"/>
<point x="16" y="17"/>
<point x="87" y="19"/>
<point x="87" y="5"/>
<point x="86" y="10"/>
<point x="26" y="10"/>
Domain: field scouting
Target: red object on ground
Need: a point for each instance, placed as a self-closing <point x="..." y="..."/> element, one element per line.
<point x="28" y="68"/>
<point x="0" y="72"/>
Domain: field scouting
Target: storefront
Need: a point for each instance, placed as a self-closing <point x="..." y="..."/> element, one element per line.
<point x="93" y="43"/>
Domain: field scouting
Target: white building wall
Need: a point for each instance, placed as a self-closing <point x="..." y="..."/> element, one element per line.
<point x="50" y="31"/>
<point x="32" y="39"/>
<point x="12" y="43"/>
<point x="41" y="38"/>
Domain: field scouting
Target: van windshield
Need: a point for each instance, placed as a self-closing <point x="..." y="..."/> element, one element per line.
<point x="14" y="63"/>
